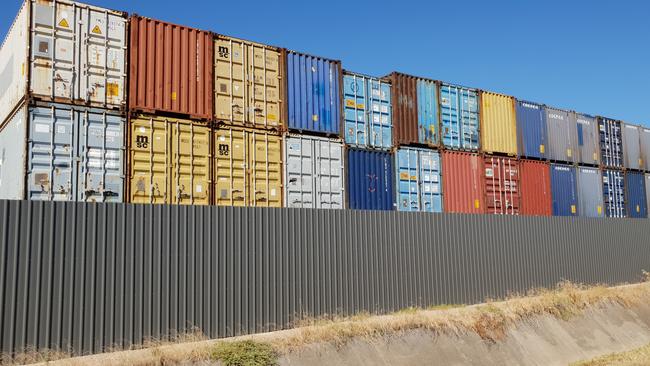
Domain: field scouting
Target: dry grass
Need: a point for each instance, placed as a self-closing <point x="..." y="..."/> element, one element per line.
<point x="637" y="357"/>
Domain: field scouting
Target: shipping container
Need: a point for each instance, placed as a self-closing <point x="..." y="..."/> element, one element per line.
<point x="498" y="124"/>
<point x="369" y="179"/>
<point x="590" y="192"/>
<point x="564" y="190"/>
<point x="459" y="117"/>
<point x="463" y="182"/>
<point x="314" y="93"/>
<point x="170" y="69"/>
<point x="417" y="177"/>
<point x="502" y="188"/>
<point x="531" y="130"/>
<point x="428" y="123"/>
<point x="368" y="117"/>
<point x="645" y="148"/>
<point x="631" y="137"/>
<point x="614" y="193"/>
<point x="588" y="140"/>
<point x="249" y="83"/>
<point x="70" y="52"/>
<point x="405" y="108"/>
<point x="61" y="152"/>
<point x="611" y="142"/>
<point x="247" y="167"/>
<point x="313" y="172"/>
<point x="635" y="193"/>
<point x="536" y="198"/>
<point x="169" y="161"/>
<point x="562" y="136"/>
<point x="647" y="190"/>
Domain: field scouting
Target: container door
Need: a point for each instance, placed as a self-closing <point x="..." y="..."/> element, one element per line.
<point x="427" y="112"/>
<point x="231" y="156"/>
<point x="590" y="193"/>
<point x="265" y="170"/>
<point x="469" y="123"/>
<point x="299" y="172"/>
<point x="264" y="64"/>
<point x="52" y="164"/>
<point x="531" y="130"/>
<point x="563" y="186"/>
<point x="614" y="193"/>
<point x="429" y="177"/>
<point x="354" y="89"/>
<point x="407" y="180"/>
<point x="631" y="147"/>
<point x="381" y="119"/>
<point x="587" y="140"/>
<point x="329" y="179"/>
<point x="449" y="112"/>
<point x="230" y="98"/>
<point x="149" y="161"/>
<point x="189" y="164"/>
<point x="101" y="159"/>
<point x="611" y="149"/>
<point x="501" y="186"/>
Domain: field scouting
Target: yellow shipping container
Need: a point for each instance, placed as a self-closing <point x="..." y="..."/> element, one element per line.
<point x="169" y="161"/>
<point x="498" y="124"/>
<point x="248" y="83"/>
<point x="248" y="167"/>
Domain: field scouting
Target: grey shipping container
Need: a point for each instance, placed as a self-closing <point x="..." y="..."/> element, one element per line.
<point x="313" y="172"/>
<point x="631" y="136"/>
<point x="60" y="152"/>
<point x="562" y="136"/>
<point x="588" y="141"/>
<point x="644" y="141"/>
<point x="590" y="192"/>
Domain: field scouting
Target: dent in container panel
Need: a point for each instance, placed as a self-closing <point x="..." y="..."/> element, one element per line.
<point x="498" y="124"/>
<point x="614" y="193"/>
<point x="563" y="186"/>
<point x="588" y="139"/>
<point x="611" y="142"/>
<point x="502" y="193"/>
<point x="536" y="198"/>
<point x="417" y="177"/>
<point x="562" y="136"/>
<point x="635" y="193"/>
<point x="462" y="180"/>
<point x="368" y="120"/>
<point x="405" y="109"/>
<point x="631" y="137"/>
<point x="531" y="129"/>
<point x="369" y="179"/>
<point x="459" y="117"/>
<point x="590" y="192"/>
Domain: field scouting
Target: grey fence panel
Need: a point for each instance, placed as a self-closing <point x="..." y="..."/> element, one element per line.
<point x="84" y="278"/>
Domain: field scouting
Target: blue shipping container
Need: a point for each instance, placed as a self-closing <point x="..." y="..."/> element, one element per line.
<point x="427" y="112"/>
<point x="368" y="117"/>
<point x="636" y="199"/>
<point x="314" y="93"/>
<point x="418" y="180"/>
<point x="532" y="135"/>
<point x="370" y="180"/>
<point x="564" y="191"/>
<point x="611" y="142"/>
<point x="614" y="193"/>
<point x="459" y="117"/>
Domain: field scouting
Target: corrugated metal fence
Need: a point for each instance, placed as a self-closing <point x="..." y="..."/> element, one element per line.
<point x="82" y="277"/>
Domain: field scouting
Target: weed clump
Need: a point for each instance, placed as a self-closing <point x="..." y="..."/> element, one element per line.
<point x="245" y="353"/>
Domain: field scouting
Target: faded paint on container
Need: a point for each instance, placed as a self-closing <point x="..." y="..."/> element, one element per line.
<point x="564" y="190"/>
<point x="14" y="64"/>
<point x="645" y="148"/>
<point x="588" y="140"/>
<point x="247" y="167"/>
<point x="314" y="93"/>
<point x="536" y="198"/>
<point x="313" y="172"/>
<point x="405" y="109"/>
<point x="562" y="136"/>
<point x="417" y="176"/>
<point x="169" y="161"/>
<point x="369" y="180"/>
<point x="531" y="129"/>
<point x="13" y="155"/>
<point x="635" y="193"/>
<point x="459" y="117"/>
<point x="614" y="193"/>
<point x="502" y="190"/>
<point x="463" y="182"/>
<point x="368" y="119"/>
<point x="611" y="142"/>
<point x="170" y="69"/>
<point x="249" y="83"/>
<point x="590" y="192"/>
<point x="428" y="123"/>
<point x="498" y="124"/>
<point x="631" y="137"/>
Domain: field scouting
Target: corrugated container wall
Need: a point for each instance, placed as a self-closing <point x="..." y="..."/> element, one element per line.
<point x="417" y="176"/>
<point x="636" y="195"/>
<point x="611" y="142"/>
<point x="171" y="69"/>
<point x="247" y="167"/>
<point x="536" y="198"/>
<point x="564" y="188"/>
<point x="645" y="148"/>
<point x="13" y="155"/>
<point x="562" y="136"/>
<point x="428" y="123"/>
<point x="531" y="130"/>
<point x="502" y="189"/>
<point x="590" y="192"/>
<point x="249" y="83"/>
<point x="314" y="93"/>
<point x="647" y="189"/>
<point x="405" y="109"/>
<point x="313" y="172"/>
<point x="13" y="65"/>
<point x="459" y="117"/>
<point x="367" y="112"/>
<point x="631" y="136"/>
<point x="462" y="181"/>
<point x="588" y="140"/>
<point x="169" y="161"/>
<point x="614" y="193"/>
<point x="498" y="124"/>
<point x="369" y="180"/>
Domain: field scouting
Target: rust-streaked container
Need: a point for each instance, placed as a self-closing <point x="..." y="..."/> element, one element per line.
<point x="462" y="182"/>
<point x="498" y="124"/>
<point x="171" y="69"/>
<point x="502" y="188"/>
<point x="535" y="187"/>
<point x="405" y="108"/>
<point x="249" y="83"/>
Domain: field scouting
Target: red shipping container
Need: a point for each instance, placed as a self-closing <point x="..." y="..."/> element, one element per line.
<point x="502" y="191"/>
<point x="462" y="182"/>
<point x="171" y="69"/>
<point x="535" y="187"/>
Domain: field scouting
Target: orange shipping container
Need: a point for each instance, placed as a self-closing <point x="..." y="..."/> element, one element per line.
<point x="535" y="185"/>
<point x="462" y="182"/>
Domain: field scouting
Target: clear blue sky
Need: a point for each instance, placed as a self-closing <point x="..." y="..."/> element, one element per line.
<point x="589" y="56"/>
